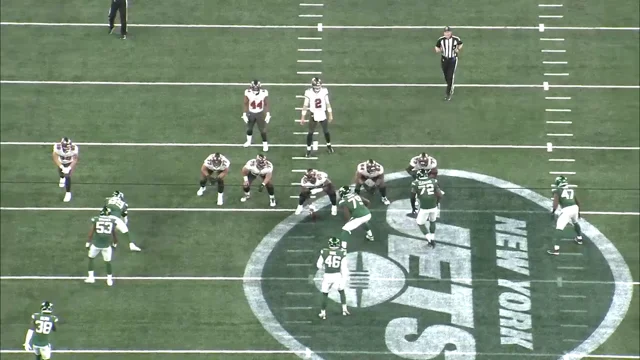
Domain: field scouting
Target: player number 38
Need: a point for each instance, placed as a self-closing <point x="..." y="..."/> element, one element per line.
<point x="43" y="327"/>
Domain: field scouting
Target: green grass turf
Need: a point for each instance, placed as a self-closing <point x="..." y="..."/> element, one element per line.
<point x="215" y="315"/>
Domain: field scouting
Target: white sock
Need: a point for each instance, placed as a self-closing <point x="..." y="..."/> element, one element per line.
<point x="249" y="138"/>
<point x="109" y="276"/>
<point x="308" y="148"/>
<point x="203" y="187"/>
<point x="91" y="274"/>
<point x="344" y="307"/>
<point x="220" y="195"/>
<point x="247" y="193"/>
<point x="264" y="143"/>
<point x="556" y="248"/>
<point x="272" y="196"/>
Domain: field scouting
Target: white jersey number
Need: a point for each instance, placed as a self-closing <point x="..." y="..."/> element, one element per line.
<point x="43" y="327"/>
<point x="104" y="227"/>
<point x="333" y="261"/>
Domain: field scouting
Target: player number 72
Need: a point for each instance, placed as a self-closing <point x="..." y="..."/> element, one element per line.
<point x="429" y="188"/>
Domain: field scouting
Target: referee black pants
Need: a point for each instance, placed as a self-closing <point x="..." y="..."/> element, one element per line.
<point x="118" y="6"/>
<point x="449" y="71"/>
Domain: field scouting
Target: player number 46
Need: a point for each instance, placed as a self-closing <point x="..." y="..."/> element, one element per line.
<point x="333" y="261"/>
<point x="429" y="188"/>
<point x="43" y="327"/>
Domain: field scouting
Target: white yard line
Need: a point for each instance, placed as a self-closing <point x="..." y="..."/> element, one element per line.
<point x="309" y="72"/>
<point x="562" y="172"/>
<point x="222" y="209"/>
<point x="556" y="74"/>
<point x="336" y="27"/>
<point x="563" y="160"/>
<point x="559" y="122"/>
<point x="549" y="5"/>
<point x="357" y="146"/>
<point x="312" y="4"/>
<point x="309" y="61"/>
<point x="557" y="110"/>
<point x="310" y="15"/>
<point x="555" y="62"/>
<point x="309" y="38"/>
<point x="560" y="134"/>
<point x="243" y="84"/>
<point x="558" y="98"/>
<point x="551" y="39"/>
<point x="553" y="51"/>
<point x="309" y="50"/>
<point x="303" y="354"/>
<point x="550" y="17"/>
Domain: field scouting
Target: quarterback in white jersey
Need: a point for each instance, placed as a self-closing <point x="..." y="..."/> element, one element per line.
<point x="371" y="175"/>
<point x="422" y="162"/>
<point x="313" y="182"/>
<point x="316" y="101"/>
<point x="65" y="156"/>
<point x="261" y="168"/>
<point x="214" y="169"/>
<point x="256" y="111"/>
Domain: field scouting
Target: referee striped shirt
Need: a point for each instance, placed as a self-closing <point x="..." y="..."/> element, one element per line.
<point x="449" y="46"/>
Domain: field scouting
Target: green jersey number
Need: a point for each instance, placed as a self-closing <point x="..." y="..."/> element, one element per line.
<point x="429" y="189"/>
<point x="567" y="194"/>
<point x="333" y="261"/>
<point x="104" y="227"/>
<point x="43" y="327"/>
<point x="356" y="201"/>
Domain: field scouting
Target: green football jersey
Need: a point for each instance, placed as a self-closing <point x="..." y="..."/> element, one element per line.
<point x="42" y="324"/>
<point x="332" y="260"/>
<point x="426" y="190"/>
<point x="117" y="206"/>
<point x="356" y="207"/>
<point x="103" y="234"/>
<point x="566" y="196"/>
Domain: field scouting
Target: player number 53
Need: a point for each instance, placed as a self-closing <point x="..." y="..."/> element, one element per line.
<point x="104" y="227"/>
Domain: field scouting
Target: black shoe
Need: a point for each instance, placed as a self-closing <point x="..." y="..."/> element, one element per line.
<point x="413" y="214"/>
<point x="330" y="149"/>
<point x="308" y="153"/>
<point x="111" y="30"/>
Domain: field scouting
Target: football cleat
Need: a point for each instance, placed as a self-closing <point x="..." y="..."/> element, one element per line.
<point x="111" y="30"/>
<point x="385" y="200"/>
<point x="316" y="84"/>
<point x="345" y="312"/>
<point x="334" y="210"/>
<point x="334" y="243"/>
<point x="369" y="237"/>
<point x="246" y="144"/>
<point x="123" y="37"/>
<point x="272" y="202"/>
<point x="323" y="315"/>
<point x="201" y="191"/>
<point x="265" y="147"/>
<point x="553" y="252"/>
<point x="245" y="197"/>
<point x="298" y="210"/>
<point x="67" y="197"/>
<point x="330" y="149"/>
<point x="46" y="307"/>
<point x="109" y="281"/>
<point x="220" y="199"/>
<point x="344" y="191"/>
<point x="308" y="154"/>
<point x="255" y="86"/>
<point x="134" y="247"/>
<point x="90" y="280"/>
<point x="578" y="240"/>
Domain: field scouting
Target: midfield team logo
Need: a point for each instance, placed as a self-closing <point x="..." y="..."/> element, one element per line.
<point x="487" y="290"/>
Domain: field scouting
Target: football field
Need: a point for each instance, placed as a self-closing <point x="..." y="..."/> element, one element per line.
<point x="543" y="88"/>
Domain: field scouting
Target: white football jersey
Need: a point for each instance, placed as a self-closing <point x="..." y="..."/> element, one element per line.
<point x="257" y="102"/>
<point x="224" y="165"/>
<point x="66" y="156"/>
<point x="317" y="103"/>
<point x="419" y="164"/>
<point x="252" y="166"/>
<point x="363" y="170"/>
<point x="321" y="179"/>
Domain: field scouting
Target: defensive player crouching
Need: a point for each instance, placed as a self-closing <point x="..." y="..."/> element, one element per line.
<point x="422" y="162"/>
<point x="356" y="212"/>
<point x="214" y="169"/>
<point x="65" y="156"/>
<point x="261" y="168"/>
<point x="333" y="261"/>
<point x="427" y="190"/>
<point x="313" y="182"/>
<point x="256" y="111"/>
<point x="371" y="175"/>
<point x="316" y="100"/>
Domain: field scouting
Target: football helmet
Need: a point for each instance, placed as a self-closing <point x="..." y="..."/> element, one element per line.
<point x="118" y="194"/>
<point x="334" y="243"/>
<point x="316" y="84"/>
<point x="255" y="86"/>
<point x="422" y="174"/>
<point x="344" y="191"/>
<point x="423" y="159"/>
<point x="310" y="176"/>
<point x="216" y="160"/>
<point x="562" y="181"/>
<point x="46" y="307"/>
<point x="261" y="161"/>
<point x="65" y="143"/>
<point x="105" y="211"/>
<point x="372" y="166"/>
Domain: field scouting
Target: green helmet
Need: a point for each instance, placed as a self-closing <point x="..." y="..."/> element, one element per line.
<point x="344" y="191"/>
<point x="118" y="194"/>
<point x="422" y="174"/>
<point x="46" y="307"/>
<point x="334" y="243"/>
<point x="105" y="211"/>
<point x="561" y="181"/>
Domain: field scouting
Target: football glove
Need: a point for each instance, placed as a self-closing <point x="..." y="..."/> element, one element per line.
<point x="267" y="118"/>
<point x="245" y="118"/>
<point x="27" y="347"/>
<point x="87" y="245"/>
<point x="261" y="188"/>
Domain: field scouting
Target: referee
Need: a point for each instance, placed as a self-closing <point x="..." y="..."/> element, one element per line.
<point x="449" y="46"/>
<point x="121" y="7"/>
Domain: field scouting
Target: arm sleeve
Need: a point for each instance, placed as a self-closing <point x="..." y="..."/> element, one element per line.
<point x="27" y="338"/>
<point x="438" y="43"/>
<point x="344" y="268"/>
<point x="320" y="262"/>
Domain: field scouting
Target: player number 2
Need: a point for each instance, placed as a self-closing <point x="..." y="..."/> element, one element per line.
<point x="318" y="103"/>
<point x="43" y="327"/>
<point x="333" y="261"/>
<point x="256" y="105"/>
<point x="104" y="227"/>
<point x="429" y="189"/>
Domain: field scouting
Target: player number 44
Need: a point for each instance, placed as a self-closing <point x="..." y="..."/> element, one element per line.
<point x="256" y="105"/>
<point x="333" y="261"/>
